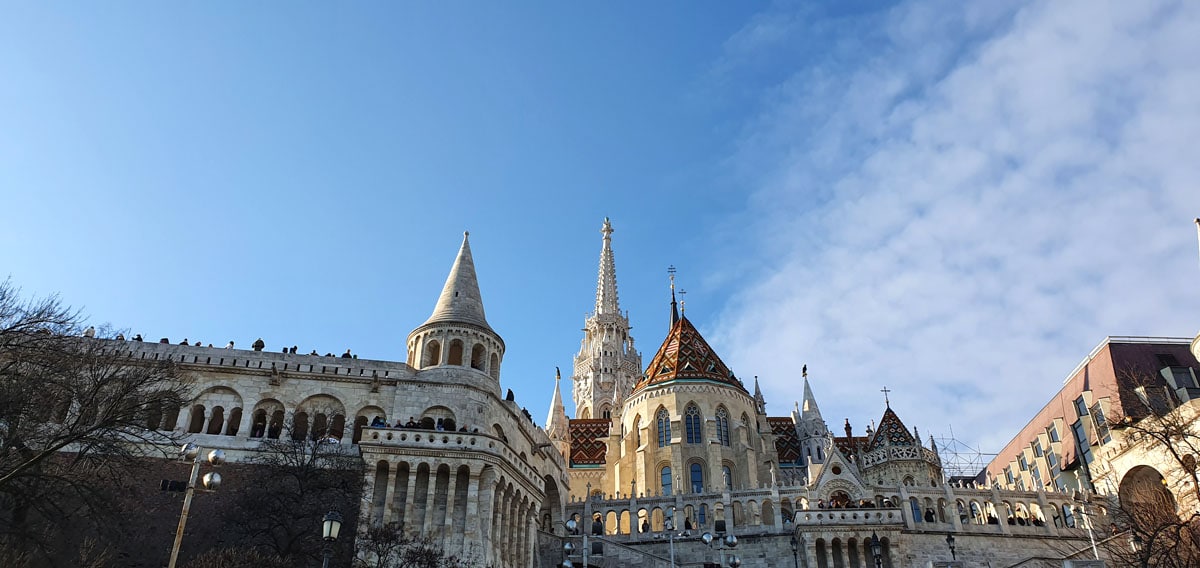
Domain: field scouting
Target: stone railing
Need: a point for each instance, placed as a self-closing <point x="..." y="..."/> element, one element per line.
<point x="849" y="517"/>
<point x="889" y="453"/>
<point x="439" y="441"/>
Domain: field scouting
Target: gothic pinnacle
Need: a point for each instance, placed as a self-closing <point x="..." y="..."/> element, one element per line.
<point x="606" y="285"/>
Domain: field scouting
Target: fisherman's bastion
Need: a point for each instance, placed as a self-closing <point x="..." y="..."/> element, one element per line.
<point x="671" y="459"/>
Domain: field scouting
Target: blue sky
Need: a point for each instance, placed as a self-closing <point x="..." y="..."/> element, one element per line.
<point x="956" y="202"/>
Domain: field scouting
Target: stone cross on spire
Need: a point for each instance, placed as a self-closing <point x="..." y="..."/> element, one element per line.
<point x="606" y="285"/>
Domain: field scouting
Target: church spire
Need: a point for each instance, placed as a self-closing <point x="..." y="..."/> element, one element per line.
<point x="606" y="285"/>
<point x="809" y="410"/>
<point x="674" y="306"/>
<point x="556" y="421"/>
<point x="460" y="301"/>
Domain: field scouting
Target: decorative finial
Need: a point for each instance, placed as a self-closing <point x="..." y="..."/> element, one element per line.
<point x="466" y="234"/>
<point x="804" y="371"/>
<point x="682" y="302"/>
<point x="671" y="274"/>
<point x="885" y="392"/>
<point x="557" y="374"/>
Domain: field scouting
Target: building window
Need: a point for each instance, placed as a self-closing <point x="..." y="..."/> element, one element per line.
<point x="666" y="480"/>
<point x="1037" y="449"/>
<point x="696" y="471"/>
<point x="1024" y="465"/>
<point x="703" y="514"/>
<point x="722" y="426"/>
<point x="1101" y="424"/>
<point x="1037" y="475"/>
<point x="1053" y="433"/>
<point x="1008" y="475"/>
<point x="727" y="474"/>
<point x="692" y="424"/>
<point x="1081" y="407"/>
<point x="1085" y="446"/>
<point x="664" y="428"/>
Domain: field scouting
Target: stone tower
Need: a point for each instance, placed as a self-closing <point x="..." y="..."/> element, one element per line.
<point x="607" y="364"/>
<point x="457" y="333"/>
<point x="813" y="433"/>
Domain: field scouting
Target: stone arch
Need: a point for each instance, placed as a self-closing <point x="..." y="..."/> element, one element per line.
<point x="431" y="354"/>
<point x="263" y="417"/>
<point x="611" y="522"/>
<point x="365" y="416"/>
<point x="235" y="421"/>
<point x="739" y="514"/>
<point x="662" y="426"/>
<point x="494" y="366"/>
<point x="325" y="412"/>
<point x="439" y="416"/>
<point x="1143" y="486"/>
<point x="478" y="357"/>
<point x="768" y="513"/>
<point x="585" y="413"/>
<point x="454" y="355"/>
<point x="551" y="510"/>
<point x="722" y="423"/>
<point x="693" y="424"/>
<point x="606" y="410"/>
<point x="498" y="432"/>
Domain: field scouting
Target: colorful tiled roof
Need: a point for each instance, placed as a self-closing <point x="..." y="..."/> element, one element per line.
<point x="849" y="445"/>
<point x="685" y="354"/>
<point x="893" y="430"/>
<point x="786" y="442"/>
<point x="589" y="440"/>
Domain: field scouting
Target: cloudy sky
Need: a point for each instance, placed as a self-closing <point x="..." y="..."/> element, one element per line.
<point x="953" y="201"/>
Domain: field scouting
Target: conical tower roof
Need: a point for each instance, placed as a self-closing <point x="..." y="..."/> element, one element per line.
<point x="685" y="354"/>
<point x="891" y="432"/>
<point x="460" y="301"/>
<point x="809" y="410"/>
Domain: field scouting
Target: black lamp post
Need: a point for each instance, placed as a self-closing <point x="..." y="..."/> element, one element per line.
<point x="331" y="526"/>
<point x="795" y="551"/>
<point x="950" y="543"/>
<point x="877" y="550"/>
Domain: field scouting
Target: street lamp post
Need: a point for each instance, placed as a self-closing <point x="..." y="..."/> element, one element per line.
<point x="331" y="526"/>
<point x="211" y="481"/>
<point x="877" y="549"/>
<point x="669" y="525"/>
<point x="950" y="543"/>
<point x="729" y="542"/>
<point x="573" y="526"/>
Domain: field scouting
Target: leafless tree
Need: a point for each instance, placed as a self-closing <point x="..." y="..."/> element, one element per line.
<point x="238" y="558"/>
<point x="390" y="546"/>
<point x="294" y="482"/>
<point x="75" y="413"/>
<point x="1152" y="533"/>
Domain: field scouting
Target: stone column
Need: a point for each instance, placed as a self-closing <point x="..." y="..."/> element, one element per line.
<point x="390" y="492"/>
<point x="1049" y="518"/>
<point x="451" y="488"/>
<point x="244" y="427"/>
<point x="430" y="500"/>
<point x="410" y="497"/>
<point x="952" y="502"/>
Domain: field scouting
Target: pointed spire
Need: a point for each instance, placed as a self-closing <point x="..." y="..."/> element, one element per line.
<point x="606" y="284"/>
<point x="759" y="400"/>
<point x="809" y="408"/>
<point x="460" y="301"/>
<point x="933" y="445"/>
<point x="557" y="425"/>
<point x="674" y="306"/>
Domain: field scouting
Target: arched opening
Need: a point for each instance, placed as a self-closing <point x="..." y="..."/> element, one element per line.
<point x="276" y="425"/>
<point x="494" y="366"/>
<point x="431" y="356"/>
<point x="154" y="415"/>
<point x="665" y="480"/>
<point x="337" y="427"/>
<point x="722" y="426"/>
<point x="478" y="354"/>
<point x="258" y="424"/>
<point x="1145" y="498"/>
<point x="696" y="477"/>
<point x="663" y="423"/>
<point x="379" y="493"/>
<point x="455" y="355"/>
<point x="299" y="426"/>
<point x="319" y="425"/>
<point x="196" y="423"/>
<point x="693" y="424"/>
<point x="235" y="422"/>
<point x="586" y="413"/>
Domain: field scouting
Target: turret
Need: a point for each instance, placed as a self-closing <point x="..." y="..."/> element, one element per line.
<point x="457" y="332"/>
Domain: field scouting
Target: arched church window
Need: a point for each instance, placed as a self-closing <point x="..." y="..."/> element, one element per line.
<point x="722" y="426"/>
<point x="727" y="474"/>
<point x="637" y="432"/>
<point x="696" y="473"/>
<point x="666" y="480"/>
<point x="663" y="422"/>
<point x="702" y="516"/>
<point x="692" y="424"/>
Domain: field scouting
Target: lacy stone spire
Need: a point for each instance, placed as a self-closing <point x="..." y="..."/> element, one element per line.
<point x="457" y="333"/>
<point x="606" y="285"/>
<point x="607" y="363"/>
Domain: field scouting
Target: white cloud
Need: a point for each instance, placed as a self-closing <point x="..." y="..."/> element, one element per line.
<point x="964" y="201"/>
